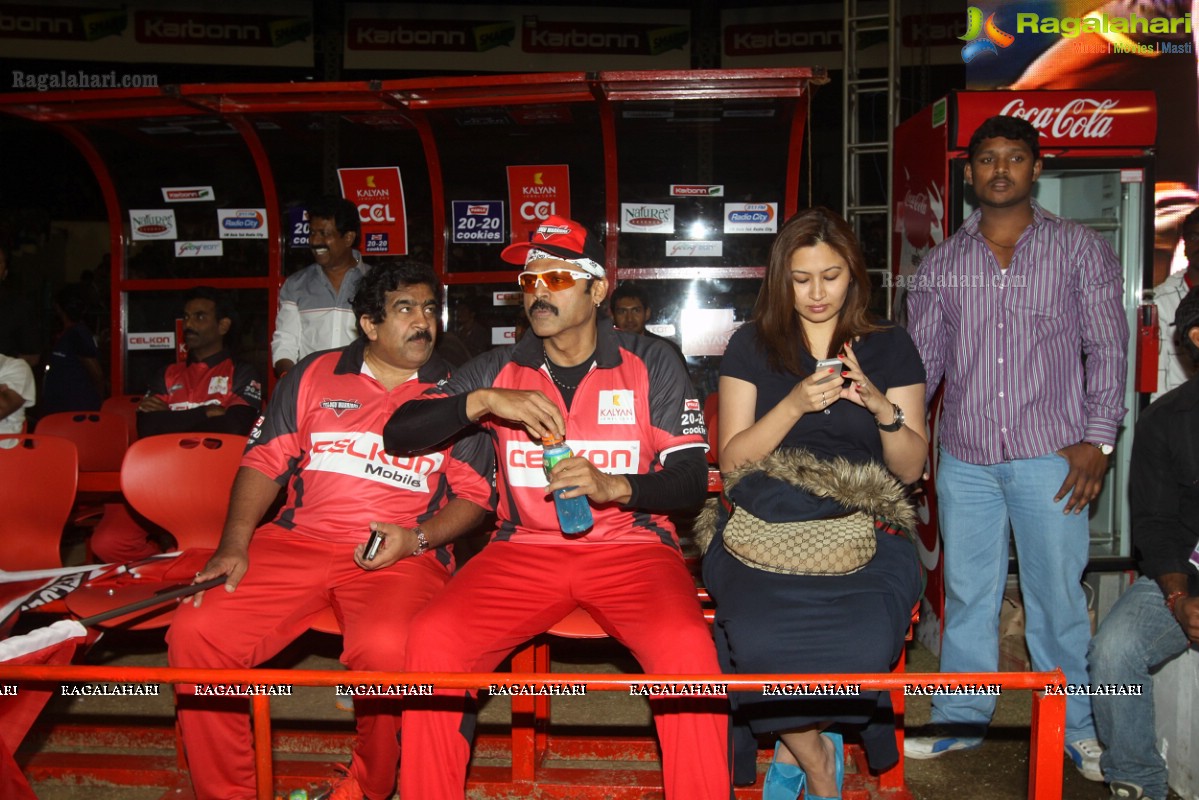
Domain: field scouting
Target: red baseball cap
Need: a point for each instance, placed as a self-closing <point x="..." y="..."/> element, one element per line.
<point x="558" y="237"/>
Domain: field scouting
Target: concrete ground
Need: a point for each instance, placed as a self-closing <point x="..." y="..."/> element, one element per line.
<point x="995" y="771"/>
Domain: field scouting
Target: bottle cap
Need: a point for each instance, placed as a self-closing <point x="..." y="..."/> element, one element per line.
<point x="551" y="439"/>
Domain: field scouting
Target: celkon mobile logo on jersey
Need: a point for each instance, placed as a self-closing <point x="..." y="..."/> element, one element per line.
<point x="616" y="407"/>
<point x="361" y="455"/>
<point x="1084" y="117"/>
<point x="526" y="467"/>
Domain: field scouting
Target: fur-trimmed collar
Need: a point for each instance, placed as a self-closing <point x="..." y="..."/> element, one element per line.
<point x="865" y="487"/>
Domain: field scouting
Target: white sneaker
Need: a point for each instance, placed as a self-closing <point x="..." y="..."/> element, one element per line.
<point x="925" y="747"/>
<point x="1085" y="755"/>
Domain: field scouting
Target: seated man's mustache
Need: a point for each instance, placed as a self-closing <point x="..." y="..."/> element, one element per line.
<point x="542" y="305"/>
<point x="419" y="335"/>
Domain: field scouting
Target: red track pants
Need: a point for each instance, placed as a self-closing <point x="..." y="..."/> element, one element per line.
<point x="641" y="594"/>
<point x="290" y="580"/>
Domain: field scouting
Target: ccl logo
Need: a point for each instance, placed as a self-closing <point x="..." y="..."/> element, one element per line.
<point x="539" y="209"/>
<point x="375" y="212"/>
<point x="982" y="37"/>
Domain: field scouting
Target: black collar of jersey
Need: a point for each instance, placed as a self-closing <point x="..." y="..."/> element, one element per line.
<point x="353" y="354"/>
<point x="212" y="360"/>
<point x="530" y="350"/>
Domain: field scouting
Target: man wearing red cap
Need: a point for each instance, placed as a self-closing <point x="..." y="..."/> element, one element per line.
<point x="625" y="405"/>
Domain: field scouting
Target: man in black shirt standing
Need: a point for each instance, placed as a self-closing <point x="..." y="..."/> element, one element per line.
<point x="1157" y="618"/>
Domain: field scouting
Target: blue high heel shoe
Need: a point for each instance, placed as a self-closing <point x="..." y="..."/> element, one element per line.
<point x="783" y="781"/>
<point x="835" y="738"/>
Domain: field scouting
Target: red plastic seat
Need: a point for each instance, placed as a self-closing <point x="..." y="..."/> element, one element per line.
<point x="181" y="482"/>
<point x="124" y="405"/>
<point x="326" y="622"/>
<point x="36" y="492"/>
<point x="101" y="439"/>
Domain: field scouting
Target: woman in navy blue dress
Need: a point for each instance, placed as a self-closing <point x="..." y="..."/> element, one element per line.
<point x="813" y="306"/>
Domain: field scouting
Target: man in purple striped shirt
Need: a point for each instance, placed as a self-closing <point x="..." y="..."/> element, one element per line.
<point x="1021" y="313"/>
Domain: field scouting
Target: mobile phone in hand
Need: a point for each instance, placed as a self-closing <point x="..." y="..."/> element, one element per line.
<point x="823" y="366"/>
<point x="372" y="546"/>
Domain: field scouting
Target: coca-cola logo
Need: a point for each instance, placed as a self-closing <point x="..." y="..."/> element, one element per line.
<point x="1081" y="118"/>
<point x="916" y="202"/>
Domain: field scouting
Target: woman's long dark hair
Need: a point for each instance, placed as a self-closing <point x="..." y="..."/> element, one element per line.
<point x="778" y="325"/>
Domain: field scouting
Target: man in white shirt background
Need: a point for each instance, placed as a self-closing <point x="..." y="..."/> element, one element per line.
<point x="16" y="393"/>
<point x="314" y="304"/>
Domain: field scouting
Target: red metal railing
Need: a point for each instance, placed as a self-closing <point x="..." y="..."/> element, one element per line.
<point x="1048" y="722"/>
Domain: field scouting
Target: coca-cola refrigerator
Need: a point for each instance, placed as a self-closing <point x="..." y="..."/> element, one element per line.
<point x="1098" y="169"/>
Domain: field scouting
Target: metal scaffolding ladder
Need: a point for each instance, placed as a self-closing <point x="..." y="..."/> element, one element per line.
<point x="864" y="192"/>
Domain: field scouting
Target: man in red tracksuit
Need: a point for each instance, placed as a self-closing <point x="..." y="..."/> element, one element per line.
<point x="625" y="405"/>
<point x="208" y="393"/>
<point x="320" y="437"/>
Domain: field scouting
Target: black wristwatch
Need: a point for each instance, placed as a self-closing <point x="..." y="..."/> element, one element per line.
<point x="895" y="424"/>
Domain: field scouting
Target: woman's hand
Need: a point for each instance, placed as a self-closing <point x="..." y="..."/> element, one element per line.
<point x="861" y="390"/>
<point x="817" y="392"/>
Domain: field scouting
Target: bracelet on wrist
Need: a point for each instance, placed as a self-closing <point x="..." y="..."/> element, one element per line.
<point x="422" y="541"/>
<point x="1173" y="597"/>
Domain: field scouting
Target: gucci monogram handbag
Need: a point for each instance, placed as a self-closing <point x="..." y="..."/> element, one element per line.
<point x="867" y="496"/>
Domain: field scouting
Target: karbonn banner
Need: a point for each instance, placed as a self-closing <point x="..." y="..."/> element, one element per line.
<point x="523" y="38"/>
<point x="275" y="33"/>
<point x="378" y="193"/>
<point x="536" y="193"/>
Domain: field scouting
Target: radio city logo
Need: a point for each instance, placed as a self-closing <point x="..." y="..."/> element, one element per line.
<point x="982" y="37"/>
<point x="243" y="219"/>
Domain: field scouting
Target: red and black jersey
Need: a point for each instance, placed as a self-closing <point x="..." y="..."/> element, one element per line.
<point x="192" y="389"/>
<point x="214" y="381"/>
<point x="322" y="434"/>
<point x="630" y="411"/>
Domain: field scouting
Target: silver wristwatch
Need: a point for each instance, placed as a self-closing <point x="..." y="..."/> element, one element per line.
<point x="895" y="425"/>
<point x="422" y="541"/>
<point x="1106" y="449"/>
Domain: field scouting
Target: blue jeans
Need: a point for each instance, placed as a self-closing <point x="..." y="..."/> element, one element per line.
<point x="975" y="505"/>
<point x="1138" y="635"/>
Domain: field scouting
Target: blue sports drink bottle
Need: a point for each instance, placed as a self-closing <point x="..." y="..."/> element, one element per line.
<point x="574" y="514"/>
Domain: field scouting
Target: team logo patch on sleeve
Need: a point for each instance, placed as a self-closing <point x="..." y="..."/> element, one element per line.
<point x="339" y="407"/>
<point x="253" y="390"/>
<point x="690" y="404"/>
<point x="616" y="407"/>
<point x="693" y="422"/>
